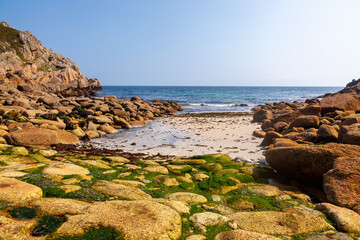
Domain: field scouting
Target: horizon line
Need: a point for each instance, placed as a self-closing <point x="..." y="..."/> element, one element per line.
<point x="212" y="86"/>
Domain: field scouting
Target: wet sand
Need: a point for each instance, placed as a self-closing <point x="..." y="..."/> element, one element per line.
<point x="191" y="134"/>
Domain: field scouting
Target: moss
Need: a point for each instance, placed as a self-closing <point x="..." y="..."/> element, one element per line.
<point x="185" y="169"/>
<point x="23" y="213"/>
<point x="214" y="157"/>
<point x="8" y="116"/>
<point x="212" y="231"/>
<point x="97" y="234"/>
<point x="46" y="225"/>
<point x="245" y="178"/>
<point x="260" y="201"/>
<point x="216" y="182"/>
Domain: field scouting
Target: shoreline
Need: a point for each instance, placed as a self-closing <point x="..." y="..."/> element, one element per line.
<point x="191" y="134"/>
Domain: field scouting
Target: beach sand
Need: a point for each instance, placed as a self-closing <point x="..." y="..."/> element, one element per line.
<point x="191" y="134"/>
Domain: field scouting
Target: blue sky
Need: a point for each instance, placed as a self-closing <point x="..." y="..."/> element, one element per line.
<point x="200" y="42"/>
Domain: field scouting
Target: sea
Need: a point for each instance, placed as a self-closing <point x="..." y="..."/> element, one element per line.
<point x="217" y="99"/>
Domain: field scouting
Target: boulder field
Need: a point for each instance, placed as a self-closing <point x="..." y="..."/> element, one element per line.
<point x="45" y="194"/>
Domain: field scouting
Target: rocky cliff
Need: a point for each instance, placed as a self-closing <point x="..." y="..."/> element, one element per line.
<point x="29" y="66"/>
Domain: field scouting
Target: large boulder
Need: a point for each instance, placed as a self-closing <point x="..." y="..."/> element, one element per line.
<point x="13" y="190"/>
<point x="40" y="138"/>
<point x="305" y="121"/>
<point x="272" y="222"/>
<point x="132" y="219"/>
<point x="346" y="99"/>
<point x="341" y="184"/>
<point x="308" y="163"/>
<point x="350" y="134"/>
<point x="262" y="115"/>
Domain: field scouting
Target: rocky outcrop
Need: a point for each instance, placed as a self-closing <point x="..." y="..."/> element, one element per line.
<point x="308" y="163"/>
<point x="27" y="65"/>
<point x="341" y="184"/>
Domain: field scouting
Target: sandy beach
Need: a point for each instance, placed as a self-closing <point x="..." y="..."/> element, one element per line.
<point x="191" y="134"/>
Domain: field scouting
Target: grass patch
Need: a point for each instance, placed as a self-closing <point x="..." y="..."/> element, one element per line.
<point x="23" y="213"/>
<point x="47" y="225"/>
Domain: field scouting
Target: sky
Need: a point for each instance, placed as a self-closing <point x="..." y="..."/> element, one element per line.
<point x="199" y="42"/>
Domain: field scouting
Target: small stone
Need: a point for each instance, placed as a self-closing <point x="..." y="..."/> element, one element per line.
<point x="216" y="198"/>
<point x="199" y="177"/>
<point x="70" y="188"/>
<point x="48" y="153"/>
<point x="208" y="219"/>
<point x="266" y="190"/>
<point x="196" y="237"/>
<point x="157" y="169"/>
<point x="186" y="197"/>
<point x="21" y="151"/>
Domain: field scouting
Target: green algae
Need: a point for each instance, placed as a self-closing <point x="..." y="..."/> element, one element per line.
<point x="245" y="178"/>
<point x="216" y="182"/>
<point x="23" y="213"/>
<point x="47" y="225"/>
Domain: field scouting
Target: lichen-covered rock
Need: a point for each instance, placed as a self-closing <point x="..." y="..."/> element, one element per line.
<point x="271" y="222"/>
<point x="243" y="235"/>
<point x="187" y="197"/>
<point x="13" y="190"/>
<point x="132" y="219"/>
<point x="341" y="184"/>
<point x="119" y="190"/>
<point x="208" y="219"/>
<point x="44" y="138"/>
<point x="64" y="168"/>
<point x="346" y="220"/>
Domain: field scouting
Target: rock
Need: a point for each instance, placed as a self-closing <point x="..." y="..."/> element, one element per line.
<point x="59" y="206"/>
<point x="17" y="229"/>
<point x="40" y="139"/>
<point x="122" y="122"/>
<point x="100" y="119"/>
<point x="59" y="125"/>
<point x="259" y="133"/>
<point x="178" y="206"/>
<point x="272" y="222"/>
<point x="199" y="177"/>
<point x="240" y="204"/>
<point x="129" y="183"/>
<point x="48" y="152"/>
<point x="328" y="133"/>
<point x="208" y="219"/>
<point x="340" y="101"/>
<point x="243" y="235"/>
<point x="305" y="121"/>
<point x="78" y="132"/>
<point x="188" y="162"/>
<point x="266" y="190"/>
<point x="95" y="164"/>
<point x="64" y="169"/>
<point x="350" y="134"/>
<point x="11" y="174"/>
<point x="21" y="151"/>
<point x="70" y="188"/>
<point x="18" y="192"/>
<point x="341" y="184"/>
<point x="262" y="115"/>
<point x="179" y="169"/>
<point x="308" y="163"/>
<point x="119" y="190"/>
<point x="329" y="234"/>
<point x="346" y="220"/>
<point x="107" y="129"/>
<point x="268" y="139"/>
<point x="196" y="237"/>
<point x="186" y="197"/>
<point x="166" y="180"/>
<point x="157" y="169"/>
<point x="280" y="126"/>
<point x="284" y="142"/>
<point x="92" y="134"/>
<point x="132" y="219"/>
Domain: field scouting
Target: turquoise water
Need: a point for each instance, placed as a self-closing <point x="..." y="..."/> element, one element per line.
<point x="217" y="99"/>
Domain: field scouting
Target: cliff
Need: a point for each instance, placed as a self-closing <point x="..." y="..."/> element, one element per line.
<point x="29" y="66"/>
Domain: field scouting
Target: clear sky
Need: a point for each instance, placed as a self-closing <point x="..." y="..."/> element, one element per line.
<point x="199" y="42"/>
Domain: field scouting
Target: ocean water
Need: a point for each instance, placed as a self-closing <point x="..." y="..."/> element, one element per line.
<point x="217" y="99"/>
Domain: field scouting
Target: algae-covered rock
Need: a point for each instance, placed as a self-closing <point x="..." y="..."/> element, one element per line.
<point x="17" y="229"/>
<point x="346" y="220"/>
<point x="59" y="206"/>
<point x="119" y="190"/>
<point x="179" y="169"/>
<point x="243" y="235"/>
<point x="132" y="219"/>
<point x="129" y="183"/>
<point x="208" y="219"/>
<point x="64" y="168"/>
<point x="271" y="222"/>
<point x="157" y="169"/>
<point x="188" y="161"/>
<point x="70" y="188"/>
<point x="13" y="190"/>
<point x="186" y="197"/>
